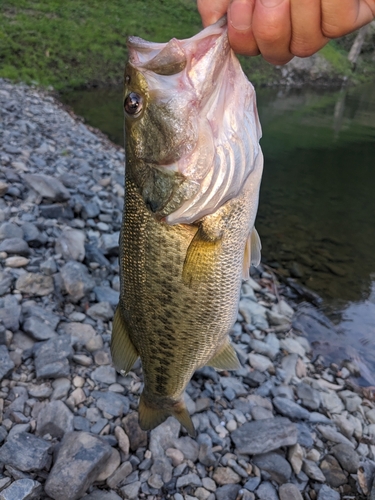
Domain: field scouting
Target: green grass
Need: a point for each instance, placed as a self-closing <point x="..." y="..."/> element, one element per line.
<point x="72" y="43"/>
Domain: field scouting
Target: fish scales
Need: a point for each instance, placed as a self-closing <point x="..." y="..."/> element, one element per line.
<point x="180" y="279"/>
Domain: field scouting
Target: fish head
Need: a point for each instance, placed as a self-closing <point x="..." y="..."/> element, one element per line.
<point x="191" y="125"/>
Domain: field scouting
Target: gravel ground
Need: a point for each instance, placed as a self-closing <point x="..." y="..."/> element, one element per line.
<point x="284" y="426"/>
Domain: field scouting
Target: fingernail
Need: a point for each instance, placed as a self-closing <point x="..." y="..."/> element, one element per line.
<point x="240" y="15"/>
<point x="270" y="3"/>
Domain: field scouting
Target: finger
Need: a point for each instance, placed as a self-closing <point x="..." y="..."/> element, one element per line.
<point x="272" y="30"/>
<point x="240" y="32"/>
<point x="307" y="36"/>
<point x="212" y="10"/>
<point x="340" y="17"/>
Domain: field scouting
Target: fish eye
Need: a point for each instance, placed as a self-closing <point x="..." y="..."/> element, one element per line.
<point x="133" y="104"/>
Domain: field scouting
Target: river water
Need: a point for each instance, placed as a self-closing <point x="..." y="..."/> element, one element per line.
<point x="316" y="215"/>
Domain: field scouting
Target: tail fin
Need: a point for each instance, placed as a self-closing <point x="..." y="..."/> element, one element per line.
<point x="150" y="417"/>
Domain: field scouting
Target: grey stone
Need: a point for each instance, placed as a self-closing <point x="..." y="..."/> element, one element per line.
<point x="80" y="333"/>
<point x="112" y="403"/>
<point x="51" y="358"/>
<point x="90" y="210"/>
<point x="277" y="467"/>
<point x="327" y="493"/>
<point x="290" y="409"/>
<point x="163" y="436"/>
<point x="102" y="310"/>
<point x="227" y="492"/>
<point x="15" y="246"/>
<point x="105" y="374"/>
<point x="331" y="402"/>
<point x="26" y="452"/>
<point x="348" y="458"/>
<point x="257" y="437"/>
<point x="6" y="280"/>
<point x="260" y="413"/>
<point x="6" y="364"/>
<point x="267" y="491"/>
<point x="38" y="329"/>
<point x="332" y="435"/>
<point x="351" y="400"/>
<point x="76" y="280"/>
<point x="102" y="495"/>
<point x="33" y="236"/>
<point x="56" y="211"/>
<point x="47" y="187"/>
<point x="10" y="312"/>
<point x="190" y="479"/>
<point x="110" y="243"/>
<point x="189" y="447"/>
<point x="252" y="483"/>
<point x="80" y="459"/>
<point x="130" y="491"/>
<point x="35" y="284"/>
<point x="55" y="419"/>
<point x="334" y="475"/>
<point x="30" y="309"/>
<point x="120" y="474"/>
<point x="106" y="294"/>
<point x="312" y="471"/>
<point x="289" y="492"/>
<point x="10" y="230"/>
<point x="253" y="313"/>
<point x="310" y="397"/>
<point x="22" y="489"/>
<point x="71" y="244"/>
<point x="137" y="437"/>
<point x="305" y="437"/>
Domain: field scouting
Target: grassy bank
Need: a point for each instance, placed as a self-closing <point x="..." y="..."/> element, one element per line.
<point x="76" y="43"/>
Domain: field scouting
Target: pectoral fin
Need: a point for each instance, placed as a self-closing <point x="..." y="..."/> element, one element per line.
<point x="225" y="359"/>
<point x="256" y="247"/>
<point x="123" y="352"/>
<point x="201" y="256"/>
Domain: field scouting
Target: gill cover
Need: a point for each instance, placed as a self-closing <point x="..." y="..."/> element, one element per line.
<point x="212" y="133"/>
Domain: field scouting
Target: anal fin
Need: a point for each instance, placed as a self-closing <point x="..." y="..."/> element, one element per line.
<point x="201" y="256"/>
<point x="123" y="352"/>
<point x="247" y="259"/>
<point x="225" y="359"/>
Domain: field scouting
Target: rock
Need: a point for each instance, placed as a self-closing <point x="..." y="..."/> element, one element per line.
<point x="123" y="440"/>
<point x="71" y="244"/>
<point x="227" y="492"/>
<point x="39" y="390"/>
<point x="79" y="461"/>
<point x="327" y="493"/>
<point x="347" y="457"/>
<point x="267" y="491"/>
<point x="276" y="466"/>
<point x="120" y="474"/>
<point x="331" y="402"/>
<point x="15" y="246"/>
<point x="90" y="210"/>
<point x="55" y="419"/>
<point x="260" y="413"/>
<point x="292" y="346"/>
<point x="47" y="187"/>
<point x="33" y="236"/>
<point x="335" y="476"/>
<point x="9" y="230"/>
<point x="10" y="312"/>
<point x="76" y="280"/>
<point x="259" y="362"/>
<point x="38" y="329"/>
<point x="176" y="456"/>
<point x="130" y="491"/>
<point x="190" y="479"/>
<point x="225" y="475"/>
<point x="51" y="358"/>
<point x="112" y="403"/>
<point x="106" y="294"/>
<point x="102" y="495"/>
<point x="104" y="374"/>
<point x="262" y="436"/>
<point x="351" y="400"/>
<point x="290" y="409"/>
<point x="16" y="261"/>
<point x="22" y="489"/>
<point x="162" y="437"/>
<point x="253" y="313"/>
<point x="138" y="437"/>
<point x="56" y="211"/>
<point x="312" y="471"/>
<point x="310" y="397"/>
<point x="26" y="452"/>
<point x="289" y="492"/>
<point x="35" y="284"/>
<point x="332" y="435"/>
<point x="101" y="310"/>
<point x="277" y="319"/>
<point x="295" y="457"/>
<point x="189" y="447"/>
<point x="6" y="364"/>
<point x="110" y="243"/>
<point x="110" y="466"/>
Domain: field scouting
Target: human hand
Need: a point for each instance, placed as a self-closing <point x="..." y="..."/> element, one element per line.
<point x="281" y="29"/>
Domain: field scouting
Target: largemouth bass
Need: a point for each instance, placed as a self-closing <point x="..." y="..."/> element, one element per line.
<point x="193" y="172"/>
